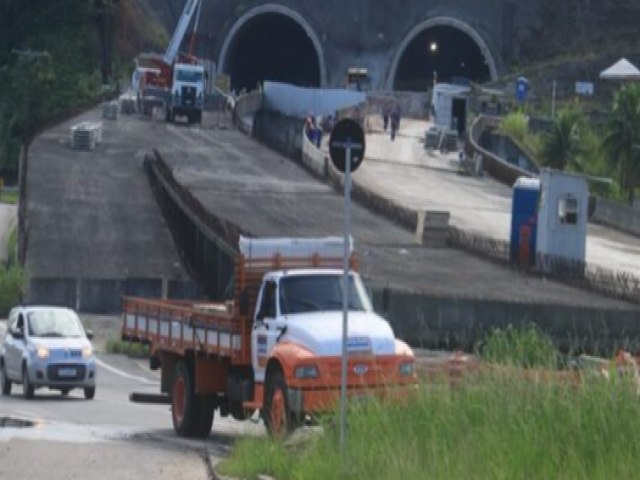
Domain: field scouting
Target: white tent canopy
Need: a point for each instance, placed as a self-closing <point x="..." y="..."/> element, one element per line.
<point x="623" y="69"/>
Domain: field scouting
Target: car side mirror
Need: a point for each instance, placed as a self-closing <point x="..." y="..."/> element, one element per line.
<point x="18" y="334"/>
<point x="89" y="334"/>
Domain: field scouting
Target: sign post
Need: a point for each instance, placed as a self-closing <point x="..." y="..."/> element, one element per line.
<point x="346" y="148"/>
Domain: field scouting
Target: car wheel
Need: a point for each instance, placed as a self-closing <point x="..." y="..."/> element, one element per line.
<point x="4" y="380"/>
<point x="27" y="388"/>
<point x="89" y="392"/>
<point x="277" y="414"/>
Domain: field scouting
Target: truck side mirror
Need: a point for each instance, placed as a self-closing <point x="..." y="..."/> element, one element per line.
<point x="244" y="302"/>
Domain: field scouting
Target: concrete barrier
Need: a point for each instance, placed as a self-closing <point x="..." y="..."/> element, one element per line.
<point x="616" y="216"/>
<point x="437" y="322"/>
<point x="496" y="167"/>
<point x="316" y="161"/>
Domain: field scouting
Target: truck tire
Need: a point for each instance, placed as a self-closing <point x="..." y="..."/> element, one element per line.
<point x="192" y="414"/>
<point x="197" y="117"/>
<point x="276" y="413"/>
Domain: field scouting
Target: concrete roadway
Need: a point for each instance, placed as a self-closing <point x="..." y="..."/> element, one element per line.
<point x="404" y="171"/>
<point x="108" y="437"/>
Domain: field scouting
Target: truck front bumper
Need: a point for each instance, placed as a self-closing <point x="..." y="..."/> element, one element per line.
<point x="309" y="401"/>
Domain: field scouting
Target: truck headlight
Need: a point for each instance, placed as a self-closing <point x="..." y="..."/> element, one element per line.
<point x="306" y="371"/>
<point x="406" y="369"/>
<point x="87" y="352"/>
<point x="42" y="352"/>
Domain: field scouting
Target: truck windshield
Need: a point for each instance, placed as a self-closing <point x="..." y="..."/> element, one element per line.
<point x="188" y="76"/>
<point x="310" y="293"/>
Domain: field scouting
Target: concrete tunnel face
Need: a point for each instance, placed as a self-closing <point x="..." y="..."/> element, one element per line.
<point x="440" y="53"/>
<point x="274" y="47"/>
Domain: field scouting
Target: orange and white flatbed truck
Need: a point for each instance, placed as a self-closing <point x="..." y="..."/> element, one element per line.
<point x="276" y="347"/>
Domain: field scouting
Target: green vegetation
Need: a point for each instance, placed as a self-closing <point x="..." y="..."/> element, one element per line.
<point x="9" y="196"/>
<point x="12" y="277"/>
<point x="54" y="59"/>
<point x="132" y="349"/>
<point x="496" y="424"/>
<point x="524" y="347"/>
<point x="609" y="152"/>
<point x="622" y="140"/>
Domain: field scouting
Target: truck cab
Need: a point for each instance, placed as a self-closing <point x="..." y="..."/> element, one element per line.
<point x="187" y="92"/>
<point x="296" y="345"/>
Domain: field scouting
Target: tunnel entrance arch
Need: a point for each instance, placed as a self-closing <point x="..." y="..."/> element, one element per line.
<point x="272" y="42"/>
<point x="444" y="45"/>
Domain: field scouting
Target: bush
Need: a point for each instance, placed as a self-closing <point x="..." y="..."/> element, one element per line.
<point x="132" y="349"/>
<point x="12" y="281"/>
<point x="525" y="347"/>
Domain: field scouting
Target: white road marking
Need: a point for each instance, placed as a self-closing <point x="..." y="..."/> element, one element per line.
<point x="125" y="374"/>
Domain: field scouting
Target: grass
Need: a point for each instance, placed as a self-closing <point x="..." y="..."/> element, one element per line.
<point x="132" y="349"/>
<point x="9" y="196"/>
<point x="502" y="427"/>
<point x="497" y="424"/>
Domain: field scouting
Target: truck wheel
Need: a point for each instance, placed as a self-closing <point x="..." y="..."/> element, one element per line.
<point x="27" y="388"/>
<point x="197" y="117"/>
<point x="192" y="414"/>
<point x="4" y="380"/>
<point x="205" y="405"/>
<point x="277" y="415"/>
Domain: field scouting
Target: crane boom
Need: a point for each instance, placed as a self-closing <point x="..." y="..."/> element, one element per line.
<point x="178" y="35"/>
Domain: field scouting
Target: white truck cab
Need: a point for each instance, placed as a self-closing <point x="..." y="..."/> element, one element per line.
<point x="187" y="92"/>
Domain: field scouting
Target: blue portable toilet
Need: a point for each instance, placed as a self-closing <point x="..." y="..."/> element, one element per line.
<point x="524" y="221"/>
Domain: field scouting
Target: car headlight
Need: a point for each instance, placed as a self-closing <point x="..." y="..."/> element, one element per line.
<point x="306" y="371"/>
<point x="406" y="369"/>
<point x="42" y="352"/>
<point x="87" y="352"/>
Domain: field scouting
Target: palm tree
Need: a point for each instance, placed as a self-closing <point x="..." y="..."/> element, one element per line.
<point x="622" y="138"/>
<point x="561" y="145"/>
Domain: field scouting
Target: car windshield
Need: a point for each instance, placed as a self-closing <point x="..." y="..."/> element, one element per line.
<point x="54" y="323"/>
<point x="189" y="76"/>
<point x="309" y="293"/>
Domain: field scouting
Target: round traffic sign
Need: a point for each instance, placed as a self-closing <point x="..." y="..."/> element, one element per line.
<point x="346" y="134"/>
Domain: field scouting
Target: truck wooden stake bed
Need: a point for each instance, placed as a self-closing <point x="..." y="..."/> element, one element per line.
<point x="276" y="347"/>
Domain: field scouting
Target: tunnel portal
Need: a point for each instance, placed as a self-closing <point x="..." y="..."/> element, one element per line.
<point x="440" y="53"/>
<point x="272" y="46"/>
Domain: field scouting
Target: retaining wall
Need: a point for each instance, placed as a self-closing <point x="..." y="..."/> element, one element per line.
<point x="616" y="216"/>
<point x="104" y="296"/>
<point x="496" y="167"/>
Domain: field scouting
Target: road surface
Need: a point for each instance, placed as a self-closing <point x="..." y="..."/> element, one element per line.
<point x="108" y="437"/>
<point x="404" y="171"/>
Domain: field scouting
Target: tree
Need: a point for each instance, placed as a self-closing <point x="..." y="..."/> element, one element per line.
<point x="622" y="138"/>
<point x="561" y="144"/>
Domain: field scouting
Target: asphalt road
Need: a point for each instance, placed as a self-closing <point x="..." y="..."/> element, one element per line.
<point x="107" y="437"/>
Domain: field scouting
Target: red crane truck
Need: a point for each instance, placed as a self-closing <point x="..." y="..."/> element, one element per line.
<point x="276" y="347"/>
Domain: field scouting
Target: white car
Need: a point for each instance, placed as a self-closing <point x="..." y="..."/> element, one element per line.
<point x="47" y="347"/>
